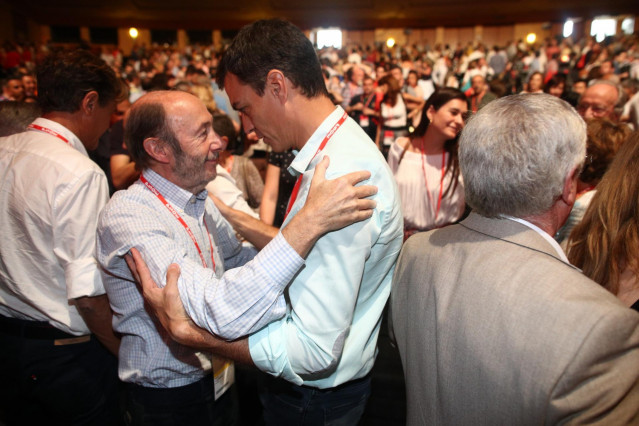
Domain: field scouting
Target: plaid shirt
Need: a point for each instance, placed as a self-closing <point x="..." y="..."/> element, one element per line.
<point x="232" y="303"/>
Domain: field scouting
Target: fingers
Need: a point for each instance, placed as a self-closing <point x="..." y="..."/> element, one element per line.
<point x="320" y="170"/>
<point x="365" y="191"/>
<point x="143" y="275"/>
<point x="354" y="178"/>
<point x="366" y="205"/>
<point x="172" y="275"/>
<point x="130" y="262"/>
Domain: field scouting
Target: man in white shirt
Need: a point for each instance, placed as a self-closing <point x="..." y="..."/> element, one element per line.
<point x="492" y="323"/>
<point x="52" y="302"/>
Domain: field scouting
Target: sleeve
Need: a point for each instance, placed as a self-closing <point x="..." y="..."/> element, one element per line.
<point x="239" y="302"/>
<point x="308" y="344"/>
<point x="76" y="212"/>
<point x="223" y="188"/>
<point x="601" y="385"/>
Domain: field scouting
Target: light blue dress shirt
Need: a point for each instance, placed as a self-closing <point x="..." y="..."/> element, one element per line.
<point x="329" y="334"/>
<point x="231" y="304"/>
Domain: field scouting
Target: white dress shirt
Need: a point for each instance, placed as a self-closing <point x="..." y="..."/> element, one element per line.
<point x="50" y="196"/>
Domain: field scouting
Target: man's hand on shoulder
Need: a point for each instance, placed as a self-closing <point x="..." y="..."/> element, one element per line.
<point x="165" y="303"/>
<point x="330" y="205"/>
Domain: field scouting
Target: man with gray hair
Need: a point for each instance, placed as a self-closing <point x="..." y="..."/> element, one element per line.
<point x="602" y="99"/>
<point x="493" y="325"/>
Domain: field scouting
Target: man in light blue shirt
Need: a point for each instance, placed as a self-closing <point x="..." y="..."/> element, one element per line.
<point x="325" y="345"/>
<point x="168" y="217"/>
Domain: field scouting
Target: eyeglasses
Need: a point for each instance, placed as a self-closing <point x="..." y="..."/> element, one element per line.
<point x="597" y="110"/>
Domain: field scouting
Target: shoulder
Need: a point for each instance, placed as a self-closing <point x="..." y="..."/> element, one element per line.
<point x="402" y="142"/>
<point x="128" y="206"/>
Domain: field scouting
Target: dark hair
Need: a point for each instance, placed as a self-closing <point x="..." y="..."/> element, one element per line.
<point x="394" y="90"/>
<point x="223" y="126"/>
<point x="11" y="77"/>
<point x="555" y="81"/>
<point x="65" y="77"/>
<point x="273" y="44"/>
<point x="147" y="120"/>
<point x="437" y="100"/>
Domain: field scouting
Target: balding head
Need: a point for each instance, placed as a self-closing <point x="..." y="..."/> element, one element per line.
<point x="149" y="118"/>
<point x="602" y="99"/>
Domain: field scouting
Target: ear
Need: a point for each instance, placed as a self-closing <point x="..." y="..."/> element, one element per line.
<point x="430" y="113"/>
<point x="157" y="150"/>
<point x="276" y="85"/>
<point x="225" y="141"/>
<point x="89" y="103"/>
<point x="569" y="194"/>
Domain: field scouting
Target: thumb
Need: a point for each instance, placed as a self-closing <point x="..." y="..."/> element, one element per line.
<point x="320" y="170"/>
<point x="172" y="275"/>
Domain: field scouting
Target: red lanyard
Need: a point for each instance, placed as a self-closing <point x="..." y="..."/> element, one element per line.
<point x="441" y="182"/>
<point x="179" y="218"/>
<point x="328" y="136"/>
<point x="47" y="130"/>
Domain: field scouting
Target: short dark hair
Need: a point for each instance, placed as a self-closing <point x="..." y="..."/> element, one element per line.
<point x="147" y="120"/>
<point x="223" y="126"/>
<point x="65" y="77"/>
<point x="273" y="44"/>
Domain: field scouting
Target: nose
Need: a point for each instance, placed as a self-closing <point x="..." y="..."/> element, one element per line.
<point x="247" y="124"/>
<point x="588" y="113"/>
<point x="218" y="144"/>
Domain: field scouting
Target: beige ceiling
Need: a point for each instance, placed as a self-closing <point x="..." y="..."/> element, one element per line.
<point x="348" y="14"/>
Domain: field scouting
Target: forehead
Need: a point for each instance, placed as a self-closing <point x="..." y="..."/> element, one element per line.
<point x="239" y="93"/>
<point x="187" y="113"/>
<point x="456" y="104"/>
<point x="600" y="93"/>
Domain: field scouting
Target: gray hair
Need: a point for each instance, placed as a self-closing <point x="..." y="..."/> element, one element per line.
<point x="516" y="153"/>
<point x="621" y="94"/>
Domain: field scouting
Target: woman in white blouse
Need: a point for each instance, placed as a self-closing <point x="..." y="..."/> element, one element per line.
<point x="393" y="121"/>
<point x="426" y="166"/>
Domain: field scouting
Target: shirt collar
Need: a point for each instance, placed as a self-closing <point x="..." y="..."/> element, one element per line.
<point x="74" y="141"/>
<point x="305" y="156"/>
<point x="544" y="234"/>
<point x="192" y="205"/>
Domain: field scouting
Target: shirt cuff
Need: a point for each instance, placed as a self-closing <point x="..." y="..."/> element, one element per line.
<point x="83" y="278"/>
<point x="281" y="260"/>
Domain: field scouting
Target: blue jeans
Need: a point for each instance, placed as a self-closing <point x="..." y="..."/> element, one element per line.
<point x="287" y="404"/>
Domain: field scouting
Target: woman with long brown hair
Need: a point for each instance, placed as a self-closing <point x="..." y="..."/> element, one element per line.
<point x="426" y="167"/>
<point x="605" y="244"/>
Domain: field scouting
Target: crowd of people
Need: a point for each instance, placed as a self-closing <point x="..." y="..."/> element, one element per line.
<point x="284" y="181"/>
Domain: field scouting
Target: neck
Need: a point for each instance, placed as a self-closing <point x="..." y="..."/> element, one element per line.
<point x="583" y="186"/>
<point x="165" y="170"/>
<point x="309" y="114"/>
<point x="432" y="143"/>
<point x="553" y="219"/>
<point x="70" y="120"/>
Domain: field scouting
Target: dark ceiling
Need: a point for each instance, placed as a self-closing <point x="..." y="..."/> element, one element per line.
<point x="347" y="14"/>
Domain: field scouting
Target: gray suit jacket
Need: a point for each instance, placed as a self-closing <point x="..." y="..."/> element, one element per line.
<point x="494" y="328"/>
